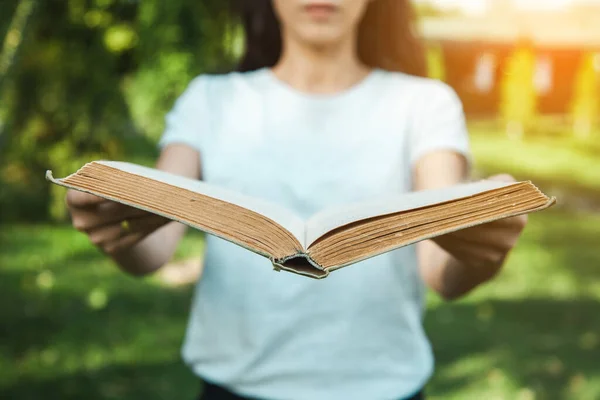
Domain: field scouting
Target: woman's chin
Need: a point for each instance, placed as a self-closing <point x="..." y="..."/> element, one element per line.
<point x="322" y="36"/>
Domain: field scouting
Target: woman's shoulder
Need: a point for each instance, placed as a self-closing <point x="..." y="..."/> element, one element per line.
<point x="418" y="84"/>
<point x="420" y="90"/>
<point x="216" y="83"/>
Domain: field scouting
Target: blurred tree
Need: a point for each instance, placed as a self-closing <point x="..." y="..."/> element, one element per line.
<point x="93" y="77"/>
<point x="179" y="39"/>
<point x="13" y="37"/>
<point x="585" y="108"/>
<point x="430" y="9"/>
<point x="518" y="98"/>
<point x="435" y="62"/>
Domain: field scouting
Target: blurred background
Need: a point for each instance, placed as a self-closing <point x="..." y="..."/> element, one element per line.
<point x="88" y="79"/>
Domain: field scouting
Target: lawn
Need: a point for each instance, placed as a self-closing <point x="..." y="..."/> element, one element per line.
<point x="534" y="332"/>
<point x="73" y="326"/>
<point x="557" y="161"/>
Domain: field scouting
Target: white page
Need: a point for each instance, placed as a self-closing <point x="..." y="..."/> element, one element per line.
<point x="284" y="217"/>
<point x="327" y="220"/>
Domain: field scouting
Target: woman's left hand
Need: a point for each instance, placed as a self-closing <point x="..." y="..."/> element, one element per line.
<point x="487" y="245"/>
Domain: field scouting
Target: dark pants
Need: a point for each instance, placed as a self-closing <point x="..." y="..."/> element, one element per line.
<point x="214" y="392"/>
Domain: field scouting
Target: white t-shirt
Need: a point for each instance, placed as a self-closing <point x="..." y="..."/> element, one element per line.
<point x="358" y="333"/>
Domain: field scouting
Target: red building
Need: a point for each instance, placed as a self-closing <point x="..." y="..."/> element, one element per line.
<point x="475" y="51"/>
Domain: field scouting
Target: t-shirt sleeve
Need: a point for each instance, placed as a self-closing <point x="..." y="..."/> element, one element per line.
<point x="440" y="123"/>
<point x="187" y="121"/>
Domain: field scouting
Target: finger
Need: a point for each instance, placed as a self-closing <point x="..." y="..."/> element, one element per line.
<point x="143" y="226"/>
<point x="113" y="211"/>
<point x="148" y="223"/>
<point x="495" y="228"/>
<point x="502" y="178"/>
<point x="495" y="239"/>
<point x="139" y="229"/>
<point x="105" y="214"/>
<point x="77" y="199"/>
<point x="123" y="243"/>
<point x="474" y="254"/>
<point x="514" y="224"/>
<point x="105" y="234"/>
<point x="509" y="224"/>
<point x="500" y="235"/>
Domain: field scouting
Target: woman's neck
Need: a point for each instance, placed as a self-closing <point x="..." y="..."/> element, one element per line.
<point x="320" y="70"/>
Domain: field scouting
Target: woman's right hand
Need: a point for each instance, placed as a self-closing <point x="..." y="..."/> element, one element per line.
<point x="111" y="226"/>
<point x="135" y="246"/>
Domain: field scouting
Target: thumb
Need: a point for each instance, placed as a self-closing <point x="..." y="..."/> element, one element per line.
<point x="502" y="178"/>
<point x="77" y="199"/>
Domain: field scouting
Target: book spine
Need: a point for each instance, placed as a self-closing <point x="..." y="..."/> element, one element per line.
<point x="301" y="264"/>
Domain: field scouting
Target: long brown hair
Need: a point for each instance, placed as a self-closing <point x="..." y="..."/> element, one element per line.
<point x="386" y="38"/>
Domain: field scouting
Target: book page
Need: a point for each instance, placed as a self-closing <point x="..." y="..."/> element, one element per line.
<point x="284" y="217"/>
<point x="328" y="220"/>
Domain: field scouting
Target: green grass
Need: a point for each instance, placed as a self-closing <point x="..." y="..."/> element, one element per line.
<point x="75" y="327"/>
<point x="557" y="161"/>
<point x="531" y="333"/>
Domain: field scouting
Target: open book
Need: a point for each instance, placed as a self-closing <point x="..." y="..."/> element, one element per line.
<point x="329" y="240"/>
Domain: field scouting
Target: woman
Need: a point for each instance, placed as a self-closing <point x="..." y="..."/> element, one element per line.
<point x="329" y="108"/>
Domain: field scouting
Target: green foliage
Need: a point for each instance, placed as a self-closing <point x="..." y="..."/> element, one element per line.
<point x="585" y="109"/>
<point x="179" y="40"/>
<point x="518" y="99"/>
<point x="94" y="80"/>
<point x="14" y="35"/>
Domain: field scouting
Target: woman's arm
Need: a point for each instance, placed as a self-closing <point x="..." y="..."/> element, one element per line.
<point x="151" y="240"/>
<point x="456" y="263"/>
